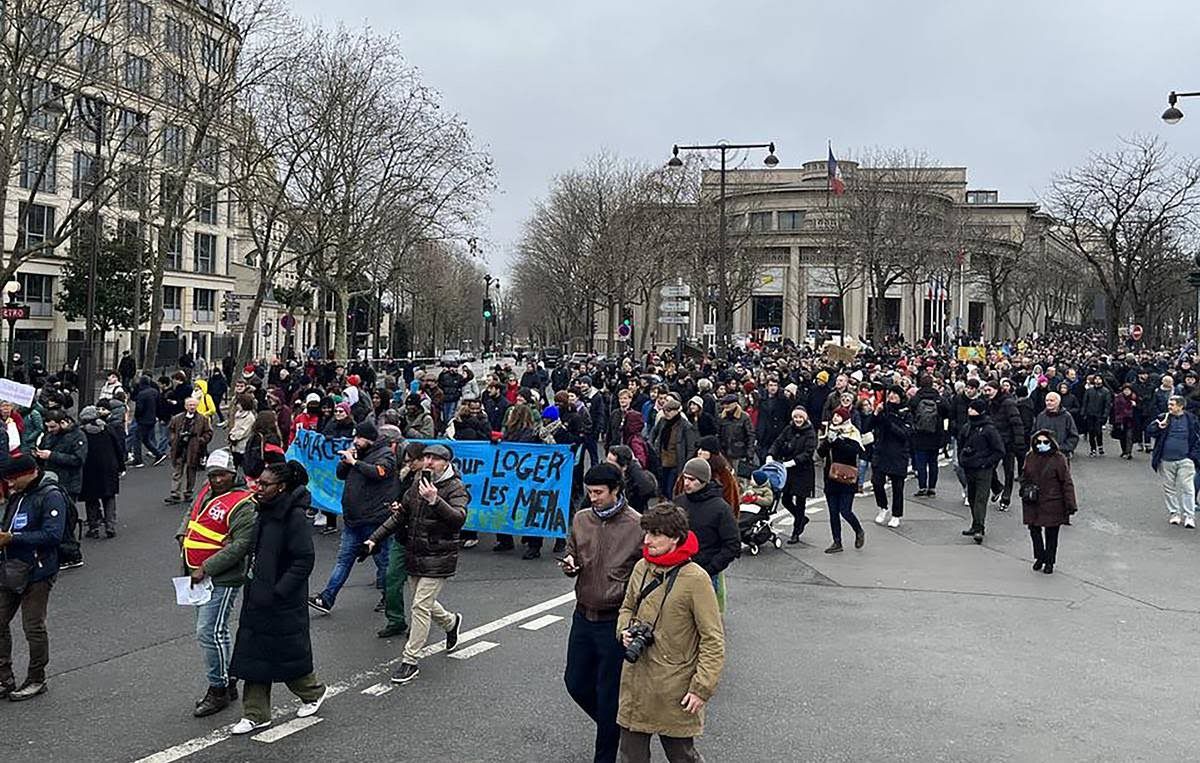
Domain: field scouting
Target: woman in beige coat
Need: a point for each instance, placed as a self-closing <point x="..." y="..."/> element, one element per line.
<point x="665" y="687"/>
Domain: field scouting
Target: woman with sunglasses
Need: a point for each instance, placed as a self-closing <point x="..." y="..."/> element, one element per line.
<point x="1047" y="498"/>
<point x="273" y="644"/>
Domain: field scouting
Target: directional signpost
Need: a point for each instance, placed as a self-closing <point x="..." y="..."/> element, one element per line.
<point x="675" y="310"/>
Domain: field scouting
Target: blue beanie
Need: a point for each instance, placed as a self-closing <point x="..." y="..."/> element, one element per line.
<point x="550" y="413"/>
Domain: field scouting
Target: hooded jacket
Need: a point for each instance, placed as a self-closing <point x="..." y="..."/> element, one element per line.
<point x="980" y="444"/>
<point x="37" y="519"/>
<point x="68" y="452"/>
<point x="736" y="433"/>
<point x="1056" y="492"/>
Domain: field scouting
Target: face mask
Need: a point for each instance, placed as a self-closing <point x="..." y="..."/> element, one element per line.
<point x="1043" y="447"/>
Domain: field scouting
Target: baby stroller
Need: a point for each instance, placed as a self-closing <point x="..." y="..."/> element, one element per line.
<point x="754" y="521"/>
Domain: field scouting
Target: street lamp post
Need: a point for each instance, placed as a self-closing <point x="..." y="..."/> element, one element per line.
<point x="95" y="116"/>
<point x="722" y="281"/>
<point x="1172" y="115"/>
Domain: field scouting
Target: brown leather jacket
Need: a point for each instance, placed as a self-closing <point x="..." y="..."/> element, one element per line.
<point x="605" y="551"/>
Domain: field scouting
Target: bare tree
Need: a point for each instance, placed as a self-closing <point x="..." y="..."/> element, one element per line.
<point x="1118" y="208"/>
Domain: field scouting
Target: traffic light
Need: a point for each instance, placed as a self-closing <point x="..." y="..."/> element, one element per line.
<point x="625" y="330"/>
<point x="488" y="311"/>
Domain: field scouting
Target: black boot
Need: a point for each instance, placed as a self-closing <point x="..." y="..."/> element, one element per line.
<point x="215" y="701"/>
<point x="794" y="539"/>
<point x="560" y="545"/>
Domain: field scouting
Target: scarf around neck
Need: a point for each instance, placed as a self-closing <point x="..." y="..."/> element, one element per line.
<point x="611" y="511"/>
<point x="682" y="553"/>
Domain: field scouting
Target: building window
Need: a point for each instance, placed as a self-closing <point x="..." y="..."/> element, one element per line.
<point x="41" y="94"/>
<point x="210" y="150"/>
<point x="137" y="18"/>
<point x="203" y="301"/>
<point x="174" y="139"/>
<point x="212" y="53"/>
<point x="175" y="36"/>
<point x="87" y="172"/>
<point x="206" y="203"/>
<point x="93" y="57"/>
<point x="170" y="194"/>
<point x="89" y="114"/>
<point x="766" y="312"/>
<point x="42" y="35"/>
<point x="134" y="187"/>
<point x="983" y="197"/>
<point x="172" y="303"/>
<point x="760" y="221"/>
<point x="825" y="314"/>
<point x="37" y="291"/>
<point x="39" y="223"/>
<point x="38" y="158"/>
<point x="132" y="131"/>
<point x="792" y="219"/>
<point x="97" y="8"/>
<point x="174" y="87"/>
<point x="130" y="231"/>
<point x="204" y="254"/>
<point x="174" y="240"/>
<point x="137" y="73"/>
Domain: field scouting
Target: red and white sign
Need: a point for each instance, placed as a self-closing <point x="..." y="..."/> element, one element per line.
<point x="1136" y="332"/>
<point x="14" y="312"/>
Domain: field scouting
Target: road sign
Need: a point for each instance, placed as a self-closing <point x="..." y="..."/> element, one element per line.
<point x="674" y="306"/>
<point x="14" y="313"/>
<point x="623" y="331"/>
<point x="679" y="320"/>
<point x="288" y="321"/>
<point x="710" y="329"/>
<point x="1136" y="332"/>
<point x="676" y="291"/>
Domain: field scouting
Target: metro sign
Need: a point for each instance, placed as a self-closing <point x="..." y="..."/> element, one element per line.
<point x="13" y="313"/>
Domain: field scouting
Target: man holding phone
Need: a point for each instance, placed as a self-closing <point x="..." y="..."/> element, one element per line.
<point x="604" y="544"/>
<point x="433" y="510"/>
<point x="1176" y="436"/>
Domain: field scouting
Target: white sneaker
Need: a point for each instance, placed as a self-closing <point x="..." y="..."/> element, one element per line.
<point x="245" y="726"/>
<point x="1174" y="519"/>
<point x="894" y="522"/>
<point x="1189" y="523"/>
<point x="883" y="516"/>
<point x="311" y="708"/>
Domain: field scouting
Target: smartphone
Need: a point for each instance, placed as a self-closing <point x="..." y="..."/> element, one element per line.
<point x="427" y="475"/>
<point x="562" y="562"/>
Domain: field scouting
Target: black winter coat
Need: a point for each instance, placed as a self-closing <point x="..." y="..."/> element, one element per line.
<point x="980" y="444"/>
<point x="1007" y="419"/>
<point x="640" y="487"/>
<point x="892" y="449"/>
<point x="711" y="518"/>
<point x="102" y="468"/>
<point x="799" y="445"/>
<point x="371" y="485"/>
<point x="774" y="415"/>
<point x="68" y="452"/>
<point x="273" y="642"/>
<point x="468" y="427"/>
<point x="929" y="440"/>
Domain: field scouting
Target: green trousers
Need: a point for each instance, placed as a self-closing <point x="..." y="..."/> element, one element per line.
<point x="393" y="592"/>
<point x="256" y="698"/>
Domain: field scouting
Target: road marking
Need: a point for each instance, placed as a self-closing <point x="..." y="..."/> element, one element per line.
<point x="541" y="622"/>
<point x="377" y="690"/>
<point x="287" y="729"/>
<point x="478" y="647"/>
<point x="219" y="735"/>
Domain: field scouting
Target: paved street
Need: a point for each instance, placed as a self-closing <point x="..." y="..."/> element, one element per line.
<point x="920" y="647"/>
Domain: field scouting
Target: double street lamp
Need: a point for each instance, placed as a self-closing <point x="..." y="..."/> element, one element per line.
<point x="722" y="267"/>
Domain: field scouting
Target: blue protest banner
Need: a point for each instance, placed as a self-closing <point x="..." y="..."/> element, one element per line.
<point x="513" y="488"/>
<point x="319" y="455"/>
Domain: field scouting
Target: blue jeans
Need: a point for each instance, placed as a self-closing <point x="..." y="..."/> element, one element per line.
<point x="593" y="678"/>
<point x="841" y="506"/>
<point x="863" y="466"/>
<point x="352" y="538"/>
<point x="448" y="409"/>
<point x="927" y="468"/>
<point x="163" y="435"/>
<point x="212" y="632"/>
<point x="666" y="483"/>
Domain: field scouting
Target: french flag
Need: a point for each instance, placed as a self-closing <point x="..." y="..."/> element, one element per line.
<point x="836" y="184"/>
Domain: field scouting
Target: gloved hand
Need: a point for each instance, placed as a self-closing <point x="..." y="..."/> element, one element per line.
<point x="365" y="549"/>
<point x="770" y="459"/>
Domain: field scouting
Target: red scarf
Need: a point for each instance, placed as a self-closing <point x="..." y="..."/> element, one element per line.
<point x="682" y="553"/>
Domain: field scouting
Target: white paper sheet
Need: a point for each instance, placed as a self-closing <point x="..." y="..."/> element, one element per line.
<point x="188" y="595"/>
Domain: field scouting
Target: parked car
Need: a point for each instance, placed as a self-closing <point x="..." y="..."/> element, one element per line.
<point x="451" y="358"/>
<point x="551" y="355"/>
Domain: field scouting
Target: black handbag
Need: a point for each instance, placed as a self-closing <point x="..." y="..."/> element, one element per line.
<point x="1029" y="490"/>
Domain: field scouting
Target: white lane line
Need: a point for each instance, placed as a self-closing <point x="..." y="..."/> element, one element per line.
<point x="287" y="729"/>
<point x="377" y="690"/>
<point x="467" y="652"/>
<point x="541" y="622"/>
<point x="217" y="736"/>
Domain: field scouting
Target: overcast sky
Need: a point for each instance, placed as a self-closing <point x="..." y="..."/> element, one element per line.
<point x="1014" y="90"/>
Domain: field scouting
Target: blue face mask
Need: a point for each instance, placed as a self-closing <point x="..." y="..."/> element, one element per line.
<point x="1042" y="447"/>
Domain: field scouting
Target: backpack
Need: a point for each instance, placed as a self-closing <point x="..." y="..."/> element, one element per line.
<point x="926" y="419"/>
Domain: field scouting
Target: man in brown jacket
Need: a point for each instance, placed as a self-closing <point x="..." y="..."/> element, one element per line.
<point x="190" y="434"/>
<point x="604" y="544"/>
<point x="668" y="679"/>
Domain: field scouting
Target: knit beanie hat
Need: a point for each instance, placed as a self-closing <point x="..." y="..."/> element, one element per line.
<point x="698" y="469"/>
